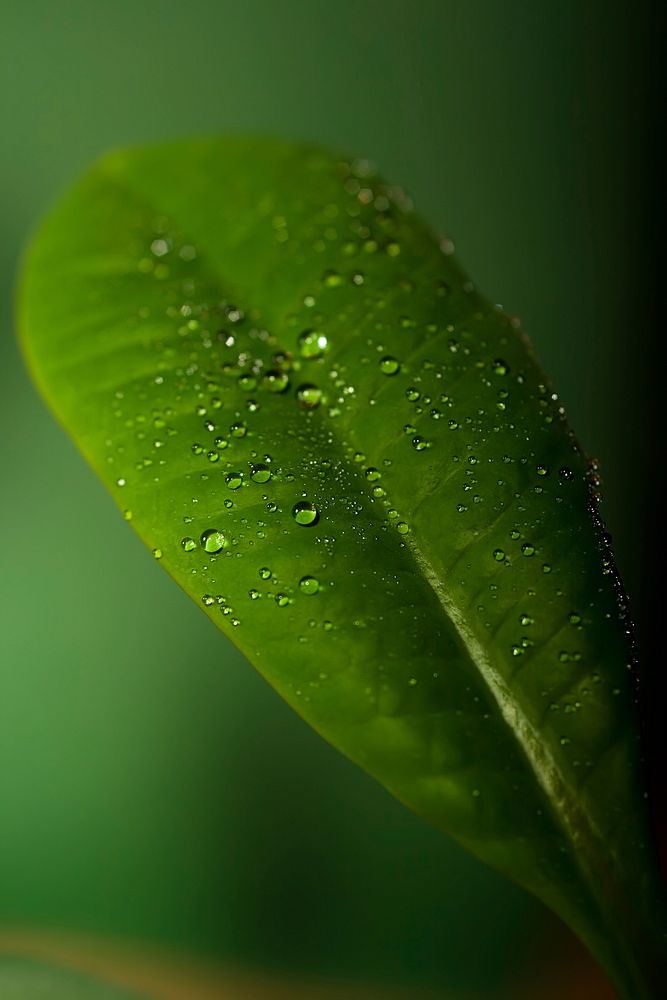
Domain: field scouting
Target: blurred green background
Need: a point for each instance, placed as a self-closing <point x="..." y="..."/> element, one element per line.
<point x="151" y="785"/>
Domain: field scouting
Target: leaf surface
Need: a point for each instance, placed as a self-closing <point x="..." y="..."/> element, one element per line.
<point x="354" y="464"/>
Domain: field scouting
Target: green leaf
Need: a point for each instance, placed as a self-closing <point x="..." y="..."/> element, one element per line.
<point x="355" y="466"/>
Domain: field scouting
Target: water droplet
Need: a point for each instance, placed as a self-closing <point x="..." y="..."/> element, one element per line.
<point x="500" y="367"/>
<point x="157" y="553"/>
<point x="127" y="514"/>
<point x="238" y="430"/>
<point x="402" y="527"/>
<point x="546" y="568"/>
<point x="247" y="382"/>
<point x="412" y="393"/>
<point x="393" y="249"/>
<point x="260" y="473"/>
<point x="160" y="247"/>
<point x="282" y="360"/>
<point x="234" y="480"/>
<point x="542" y="470"/>
<point x="420" y="444"/>
<point x="276" y="381"/>
<point x="331" y="279"/>
<point x="372" y="475"/>
<point x="309" y="396"/>
<point x="312" y="344"/>
<point x="526" y="620"/>
<point x="188" y="544"/>
<point x="253" y="594"/>
<point x="499" y="555"/>
<point x="208" y="600"/>
<point x="528" y="549"/>
<point x="574" y="618"/>
<point x="309" y="585"/>
<point x="305" y="513"/>
<point x="389" y="365"/>
<point x="212" y="540"/>
<point x="265" y="573"/>
<point x="282" y="600"/>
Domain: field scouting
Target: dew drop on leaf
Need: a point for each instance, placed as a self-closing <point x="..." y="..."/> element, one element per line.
<point x="305" y="513"/>
<point x="309" y="585"/>
<point x="276" y="381"/>
<point x="332" y="279"/>
<point x="188" y="544"/>
<point x="309" y="396"/>
<point x="389" y="365"/>
<point x="420" y="444"/>
<point x="312" y="344"/>
<point x="260" y="473"/>
<point x="212" y="540"/>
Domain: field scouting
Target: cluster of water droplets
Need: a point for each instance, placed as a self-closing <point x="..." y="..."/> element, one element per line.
<point x="266" y="424"/>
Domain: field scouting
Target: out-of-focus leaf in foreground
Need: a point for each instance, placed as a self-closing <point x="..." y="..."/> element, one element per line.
<point x="353" y="463"/>
<point x="29" y="979"/>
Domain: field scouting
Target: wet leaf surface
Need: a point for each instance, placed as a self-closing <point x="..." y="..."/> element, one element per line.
<point x="355" y="466"/>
